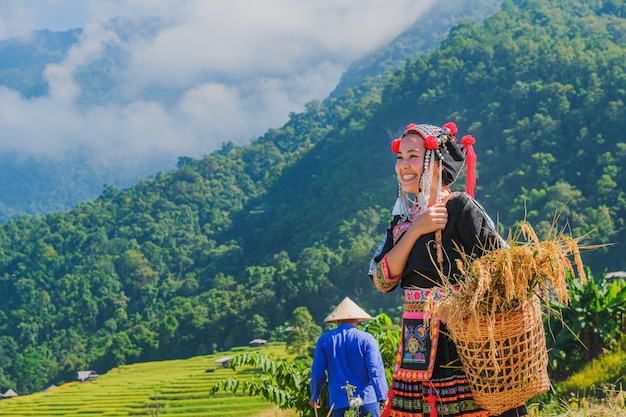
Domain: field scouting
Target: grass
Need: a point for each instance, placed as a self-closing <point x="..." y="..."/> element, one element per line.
<point x="611" y="367"/>
<point x="173" y="388"/>
<point x="597" y="390"/>
<point x="611" y="406"/>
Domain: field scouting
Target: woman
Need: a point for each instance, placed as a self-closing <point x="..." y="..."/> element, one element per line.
<point x="425" y="238"/>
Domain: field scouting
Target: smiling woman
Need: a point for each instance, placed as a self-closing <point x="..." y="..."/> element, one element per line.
<point x="419" y="253"/>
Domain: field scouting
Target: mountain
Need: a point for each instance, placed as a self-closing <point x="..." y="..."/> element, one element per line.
<point x="47" y="183"/>
<point x="222" y="249"/>
<point x="423" y="36"/>
<point x="23" y="59"/>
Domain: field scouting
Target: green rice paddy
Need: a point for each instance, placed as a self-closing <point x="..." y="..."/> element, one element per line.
<point x="166" y="388"/>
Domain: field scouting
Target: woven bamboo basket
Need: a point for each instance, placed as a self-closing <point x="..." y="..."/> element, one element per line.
<point x="505" y="358"/>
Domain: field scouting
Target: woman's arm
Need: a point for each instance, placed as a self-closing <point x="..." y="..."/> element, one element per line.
<point x="435" y="217"/>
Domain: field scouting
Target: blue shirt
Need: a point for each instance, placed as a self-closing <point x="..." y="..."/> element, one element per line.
<point x="350" y="355"/>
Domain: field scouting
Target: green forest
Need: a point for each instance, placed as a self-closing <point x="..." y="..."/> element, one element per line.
<point x="224" y="248"/>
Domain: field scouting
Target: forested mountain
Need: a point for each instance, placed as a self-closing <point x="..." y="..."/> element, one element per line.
<point x="222" y="249"/>
<point x="23" y="60"/>
<point x="423" y="36"/>
<point x="44" y="184"/>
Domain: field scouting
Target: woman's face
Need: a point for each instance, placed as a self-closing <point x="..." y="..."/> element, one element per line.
<point x="410" y="162"/>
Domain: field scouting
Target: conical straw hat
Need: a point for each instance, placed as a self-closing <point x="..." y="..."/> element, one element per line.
<point x="347" y="310"/>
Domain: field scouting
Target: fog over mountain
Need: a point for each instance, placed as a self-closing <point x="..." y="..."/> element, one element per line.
<point x="139" y="84"/>
<point x="219" y="72"/>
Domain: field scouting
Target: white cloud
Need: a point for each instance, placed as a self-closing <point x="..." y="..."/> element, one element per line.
<point x="60" y="77"/>
<point x="281" y="53"/>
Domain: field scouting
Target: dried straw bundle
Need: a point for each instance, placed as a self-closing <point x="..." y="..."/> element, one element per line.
<point x="501" y="279"/>
<point x="494" y="315"/>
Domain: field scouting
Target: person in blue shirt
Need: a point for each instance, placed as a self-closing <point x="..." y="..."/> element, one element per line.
<point x="351" y="361"/>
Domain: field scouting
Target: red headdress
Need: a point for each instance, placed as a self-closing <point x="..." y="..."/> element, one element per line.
<point x="442" y="142"/>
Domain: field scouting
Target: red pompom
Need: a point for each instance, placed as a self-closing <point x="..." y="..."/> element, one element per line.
<point x="452" y="127"/>
<point x="468" y="140"/>
<point x="431" y="143"/>
<point x="395" y="145"/>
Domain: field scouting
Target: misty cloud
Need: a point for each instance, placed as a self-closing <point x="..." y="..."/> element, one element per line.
<point x="242" y="68"/>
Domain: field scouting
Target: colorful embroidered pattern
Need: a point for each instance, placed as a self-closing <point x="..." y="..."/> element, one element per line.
<point x="415" y="342"/>
<point x="400" y="228"/>
<point x="417" y="351"/>
<point x="415" y="391"/>
<point x="414" y="307"/>
<point x="382" y="281"/>
<point x="423" y="294"/>
<point x="450" y="398"/>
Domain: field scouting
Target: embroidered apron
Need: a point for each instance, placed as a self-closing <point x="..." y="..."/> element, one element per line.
<point x="418" y="347"/>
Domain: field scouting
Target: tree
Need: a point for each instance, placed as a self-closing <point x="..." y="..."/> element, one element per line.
<point x="594" y="323"/>
<point x="257" y="327"/>
<point x="301" y="339"/>
<point x="283" y="382"/>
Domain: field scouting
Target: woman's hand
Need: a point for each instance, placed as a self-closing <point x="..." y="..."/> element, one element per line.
<point x="433" y="218"/>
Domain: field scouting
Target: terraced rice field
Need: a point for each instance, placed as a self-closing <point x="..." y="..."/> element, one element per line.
<point x="167" y="388"/>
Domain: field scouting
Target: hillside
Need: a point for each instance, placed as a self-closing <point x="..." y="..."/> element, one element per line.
<point x="45" y="184"/>
<point x="224" y="248"/>
<point x="175" y="387"/>
<point x="424" y="36"/>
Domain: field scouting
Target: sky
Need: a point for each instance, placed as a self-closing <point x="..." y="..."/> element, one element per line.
<point x="284" y="53"/>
